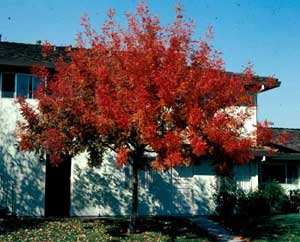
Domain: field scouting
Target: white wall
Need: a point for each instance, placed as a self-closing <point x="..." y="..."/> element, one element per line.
<point x="106" y="190"/>
<point x="250" y="114"/>
<point x="250" y="124"/>
<point x="98" y="191"/>
<point x="247" y="176"/>
<point x="22" y="175"/>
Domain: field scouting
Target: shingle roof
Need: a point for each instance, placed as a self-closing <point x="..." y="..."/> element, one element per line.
<point x="26" y="55"/>
<point x="293" y="141"/>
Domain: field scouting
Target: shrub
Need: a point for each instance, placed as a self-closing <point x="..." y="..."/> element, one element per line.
<point x="225" y="197"/>
<point x="253" y="204"/>
<point x="294" y="200"/>
<point x="270" y="199"/>
<point x="275" y="196"/>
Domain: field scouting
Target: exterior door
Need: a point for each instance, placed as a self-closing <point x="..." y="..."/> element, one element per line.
<point x="57" y="188"/>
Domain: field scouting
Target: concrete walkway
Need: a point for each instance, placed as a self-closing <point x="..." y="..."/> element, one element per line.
<point x="215" y="230"/>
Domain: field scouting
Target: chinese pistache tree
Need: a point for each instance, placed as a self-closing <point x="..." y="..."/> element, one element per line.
<point x="149" y="93"/>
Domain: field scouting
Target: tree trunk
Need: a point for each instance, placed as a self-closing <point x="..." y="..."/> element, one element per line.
<point x="134" y="201"/>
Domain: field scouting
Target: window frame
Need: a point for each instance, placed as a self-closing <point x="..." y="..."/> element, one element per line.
<point x="31" y="81"/>
<point x="281" y="163"/>
<point x="1" y="83"/>
<point x="16" y="83"/>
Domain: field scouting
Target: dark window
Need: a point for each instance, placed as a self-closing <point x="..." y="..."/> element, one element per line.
<point x="8" y="84"/>
<point x="23" y="85"/>
<point x="286" y="173"/>
<point x="30" y="94"/>
<point x="292" y="173"/>
<point x="34" y="84"/>
<point x="272" y="172"/>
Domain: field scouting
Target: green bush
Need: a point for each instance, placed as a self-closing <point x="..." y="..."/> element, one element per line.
<point x="275" y="196"/>
<point x="270" y="199"/>
<point x="226" y="197"/>
<point x="294" y="201"/>
<point x="253" y="204"/>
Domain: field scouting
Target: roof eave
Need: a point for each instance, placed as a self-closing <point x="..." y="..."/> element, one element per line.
<point x="267" y="88"/>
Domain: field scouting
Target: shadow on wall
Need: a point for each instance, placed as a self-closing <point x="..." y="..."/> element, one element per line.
<point x="22" y="175"/>
<point x="98" y="191"/>
<point x="105" y="191"/>
<point x="180" y="191"/>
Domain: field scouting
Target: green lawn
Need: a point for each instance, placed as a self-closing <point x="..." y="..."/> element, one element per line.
<point x="151" y="229"/>
<point x="281" y="228"/>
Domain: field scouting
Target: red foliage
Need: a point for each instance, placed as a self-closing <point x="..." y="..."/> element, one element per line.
<point x="266" y="136"/>
<point x="264" y="133"/>
<point x="122" y="156"/>
<point x="199" y="146"/>
<point x="283" y="138"/>
<point x="47" y="48"/>
<point x="142" y="87"/>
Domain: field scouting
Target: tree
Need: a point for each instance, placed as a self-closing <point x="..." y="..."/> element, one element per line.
<point x="148" y="92"/>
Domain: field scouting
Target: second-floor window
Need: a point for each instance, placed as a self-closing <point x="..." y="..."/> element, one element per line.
<point x="18" y="84"/>
<point x="8" y="84"/>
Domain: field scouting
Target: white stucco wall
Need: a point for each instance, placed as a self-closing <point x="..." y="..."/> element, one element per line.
<point x="247" y="176"/>
<point x="98" y="191"/>
<point x="289" y="187"/>
<point x="22" y="174"/>
<point x="250" y="120"/>
<point x="106" y="191"/>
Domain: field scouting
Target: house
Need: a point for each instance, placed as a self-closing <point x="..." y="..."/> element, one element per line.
<point x="30" y="186"/>
<point x="282" y="164"/>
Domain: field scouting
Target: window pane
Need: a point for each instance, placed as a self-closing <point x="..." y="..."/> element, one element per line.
<point x="22" y="85"/>
<point x="272" y="172"/>
<point x="30" y="87"/>
<point x="8" y="84"/>
<point x="35" y="85"/>
<point x="292" y="173"/>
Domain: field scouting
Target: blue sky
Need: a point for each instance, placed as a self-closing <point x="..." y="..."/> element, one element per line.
<point x="261" y="31"/>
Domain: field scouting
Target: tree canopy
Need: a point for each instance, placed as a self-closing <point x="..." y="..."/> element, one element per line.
<point x="138" y="90"/>
<point x="145" y="85"/>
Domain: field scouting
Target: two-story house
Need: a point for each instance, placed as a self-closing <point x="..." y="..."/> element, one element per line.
<point x="29" y="186"/>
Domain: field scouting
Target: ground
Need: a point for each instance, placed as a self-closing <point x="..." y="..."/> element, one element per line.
<point x="276" y="228"/>
<point x="151" y="229"/>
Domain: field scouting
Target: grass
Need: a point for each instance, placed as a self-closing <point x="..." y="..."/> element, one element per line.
<point x="275" y="228"/>
<point x="150" y="229"/>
